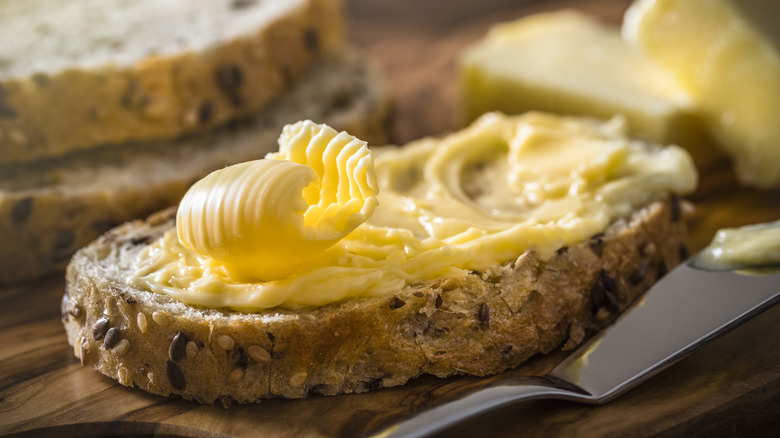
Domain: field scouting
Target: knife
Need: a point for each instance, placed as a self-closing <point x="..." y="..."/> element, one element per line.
<point x="684" y="310"/>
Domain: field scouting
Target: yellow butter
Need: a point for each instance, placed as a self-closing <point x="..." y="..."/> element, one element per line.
<point x="477" y="198"/>
<point x="566" y="62"/>
<point x="263" y="219"/>
<point x="729" y="67"/>
<point x="752" y="246"/>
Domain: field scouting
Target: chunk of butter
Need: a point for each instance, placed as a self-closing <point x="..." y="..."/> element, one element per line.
<point x="728" y="67"/>
<point x="477" y="198"/>
<point x="566" y="62"/>
<point x="263" y="219"/>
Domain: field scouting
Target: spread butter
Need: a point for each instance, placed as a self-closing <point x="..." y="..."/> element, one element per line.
<point x="474" y="199"/>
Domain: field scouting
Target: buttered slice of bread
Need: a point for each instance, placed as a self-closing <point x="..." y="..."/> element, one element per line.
<point x="475" y="323"/>
<point x="80" y="74"/>
<point x="465" y="254"/>
<point x="48" y="209"/>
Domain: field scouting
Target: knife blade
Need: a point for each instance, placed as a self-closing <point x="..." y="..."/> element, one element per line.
<point x="686" y="309"/>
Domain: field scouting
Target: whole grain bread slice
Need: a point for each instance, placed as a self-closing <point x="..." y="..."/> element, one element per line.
<point x="476" y="323"/>
<point x="86" y="73"/>
<point x="48" y="209"/>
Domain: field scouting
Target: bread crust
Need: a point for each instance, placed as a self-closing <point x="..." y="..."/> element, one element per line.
<point x="51" y="114"/>
<point x="50" y="209"/>
<point x="477" y="323"/>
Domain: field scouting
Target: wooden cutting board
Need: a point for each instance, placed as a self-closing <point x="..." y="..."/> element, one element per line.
<point x="730" y="387"/>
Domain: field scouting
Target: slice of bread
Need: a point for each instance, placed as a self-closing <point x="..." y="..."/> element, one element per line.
<point x="76" y="75"/>
<point x="48" y="209"/>
<point x="475" y="323"/>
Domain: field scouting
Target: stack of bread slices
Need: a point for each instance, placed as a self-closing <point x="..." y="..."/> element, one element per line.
<point x="110" y="110"/>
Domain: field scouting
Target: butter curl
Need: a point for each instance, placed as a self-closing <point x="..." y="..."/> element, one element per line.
<point x="262" y="219"/>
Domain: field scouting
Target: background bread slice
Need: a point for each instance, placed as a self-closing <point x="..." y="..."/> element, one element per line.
<point x="476" y="323"/>
<point x="49" y="209"/>
<point x="81" y="74"/>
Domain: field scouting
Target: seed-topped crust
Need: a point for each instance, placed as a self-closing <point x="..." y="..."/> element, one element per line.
<point x="475" y="323"/>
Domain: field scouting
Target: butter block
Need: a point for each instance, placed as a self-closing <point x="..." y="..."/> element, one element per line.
<point x="728" y="65"/>
<point x="567" y="63"/>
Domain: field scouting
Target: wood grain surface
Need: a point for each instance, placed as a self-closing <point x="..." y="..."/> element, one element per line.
<point x="729" y="388"/>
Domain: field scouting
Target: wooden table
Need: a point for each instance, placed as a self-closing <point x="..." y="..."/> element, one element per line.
<point x="730" y="387"/>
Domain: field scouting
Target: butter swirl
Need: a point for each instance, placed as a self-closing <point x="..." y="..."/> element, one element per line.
<point x="263" y="219"/>
<point x="474" y="199"/>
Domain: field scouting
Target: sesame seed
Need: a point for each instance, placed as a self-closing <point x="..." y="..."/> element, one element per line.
<point x="143" y="325"/>
<point x="225" y="342"/>
<point x="121" y="348"/>
<point x="259" y="354"/>
<point x="123" y="376"/>
<point x="77" y="348"/>
<point x="191" y="349"/>
<point x="64" y="307"/>
<point x="161" y="319"/>
<point x="298" y="379"/>
<point x="83" y="350"/>
<point x="235" y="375"/>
